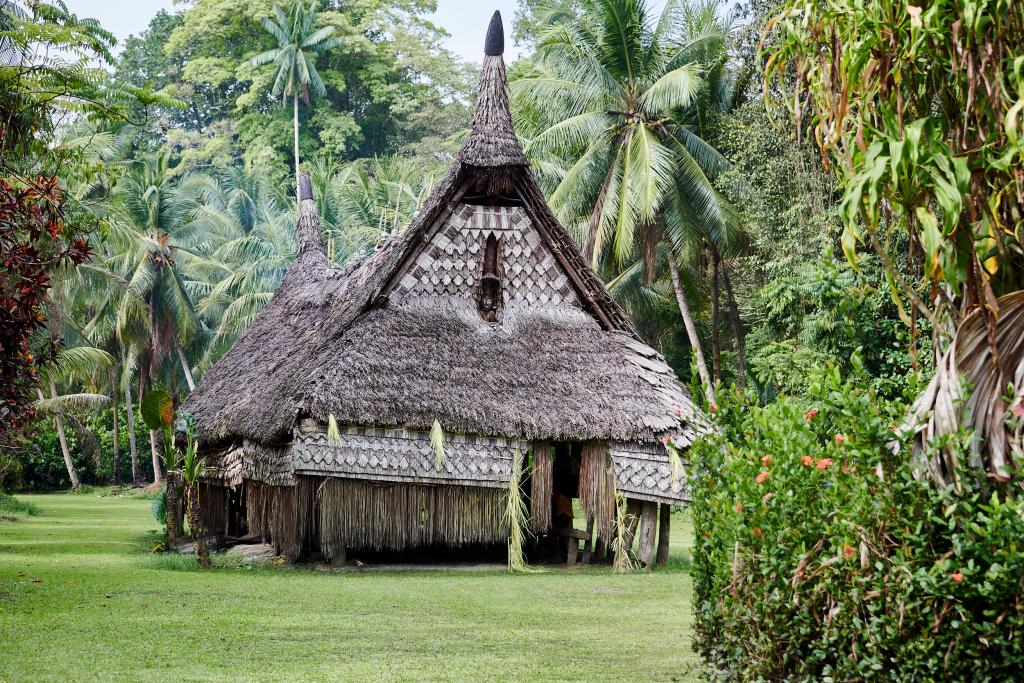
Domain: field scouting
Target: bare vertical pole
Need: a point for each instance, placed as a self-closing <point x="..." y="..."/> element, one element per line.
<point x="664" y="522"/>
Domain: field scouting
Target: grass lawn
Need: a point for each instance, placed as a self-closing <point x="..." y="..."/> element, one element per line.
<point x="81" y="600"/>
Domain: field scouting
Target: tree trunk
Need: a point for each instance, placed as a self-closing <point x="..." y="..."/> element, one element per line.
<point x="716" y="340"/>
<point x="117" y="436"/>
<point x="184" y="367"/>
<point x="595" y="220"/>
<point x="296" y="131"/>
<point x="737" y="330"/>
<point x="171" y="508"/>
<point x="195" y="525"/>
<point x="130" y="410"/>
<point x="691" y="328"/>
<point x="154" y="446"/>
<point x="72" y="475"/>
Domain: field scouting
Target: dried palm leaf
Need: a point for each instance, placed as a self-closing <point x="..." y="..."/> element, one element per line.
<point x="970" y="388"/>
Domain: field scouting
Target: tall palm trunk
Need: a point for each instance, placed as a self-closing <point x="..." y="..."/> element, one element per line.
<point x="59" y="424"/>
<point x="185" y="368"/>
<point x="154" y="447"/>
<point x="295" y="116"/>
<point x="129" y="408"/>
<point x="117" y="436"/>
<point x="716" y="339"/>
<point x="195" y="524"/>
<point x="691" y="328"/>
<point x="737" y="330"/>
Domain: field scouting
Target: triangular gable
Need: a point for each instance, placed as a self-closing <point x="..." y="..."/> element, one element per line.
<point x="439" y="260"/>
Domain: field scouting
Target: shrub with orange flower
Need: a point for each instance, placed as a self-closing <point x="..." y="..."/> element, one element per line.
<point x="807" y="461"/>
<point x="766" y="460"/>
<point x="763" y="477"/>
<point x="810" y="415"/>
<point x="958" y="577"/>
<point x="824" y="463"/>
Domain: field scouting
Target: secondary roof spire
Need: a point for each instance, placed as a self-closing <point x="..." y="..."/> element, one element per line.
<point x="311" y="245"/>
<point x="492" y="139"/>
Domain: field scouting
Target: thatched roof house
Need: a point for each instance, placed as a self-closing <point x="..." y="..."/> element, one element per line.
<point x="481" y="326"/>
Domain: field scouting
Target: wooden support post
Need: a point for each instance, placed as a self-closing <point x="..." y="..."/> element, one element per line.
<point x="664" y="522"/>
<point x="572" y="549"/>
<point x="632" y="520"/>
<point x="599" y="550"/>
<point x="648" y="528"/>
<point x="588" y="541"/>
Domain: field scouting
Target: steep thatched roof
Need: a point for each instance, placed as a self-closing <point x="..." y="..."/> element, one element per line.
<point x="337" y="342"/>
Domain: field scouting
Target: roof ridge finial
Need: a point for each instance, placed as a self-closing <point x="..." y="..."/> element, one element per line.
<point x="492" y="140"/>
<point x="305" y="186"/>
<point x="494" y="44"/>
<point x="311" y="243"/>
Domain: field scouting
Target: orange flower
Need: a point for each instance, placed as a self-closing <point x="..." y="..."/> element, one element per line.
<point x="824" y="463"/>
<point x="840" y="439"/>
<point x="810" y="415"/>
<point x="807" y="461"/>
<point x="849" y="552"/>
<point x="766" y="460"/>
<point x="713" y="407"/>
<point x="763" y="477"/>
<point x="1018" y="409"/>
<point x="739" y="507"/>
<point x="757" y="532"/>
<point x="958" y="577"/>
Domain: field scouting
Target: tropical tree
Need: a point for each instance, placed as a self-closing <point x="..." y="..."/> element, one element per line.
<point x="295" y="74"/>
<point x="612" y="98"/>
<point x="155" y="314"/>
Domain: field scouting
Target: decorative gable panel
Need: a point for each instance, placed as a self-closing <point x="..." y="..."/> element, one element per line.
<point x="452" y="264"/>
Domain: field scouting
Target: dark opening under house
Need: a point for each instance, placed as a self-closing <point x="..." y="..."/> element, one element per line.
<point x="393" y="404"/>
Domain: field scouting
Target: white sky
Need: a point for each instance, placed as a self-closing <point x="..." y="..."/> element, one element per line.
<point x="465" y="20"/>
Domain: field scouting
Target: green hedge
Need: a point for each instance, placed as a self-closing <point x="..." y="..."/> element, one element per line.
<point x="818" y="556"/>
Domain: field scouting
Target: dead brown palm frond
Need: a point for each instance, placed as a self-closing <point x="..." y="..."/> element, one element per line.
<point x="970" y="388"/>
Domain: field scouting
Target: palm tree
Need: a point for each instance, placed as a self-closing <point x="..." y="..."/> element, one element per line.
<point x="298" y="40"/>
<point x="155" y="315"/>
<point x="612" y="99"/>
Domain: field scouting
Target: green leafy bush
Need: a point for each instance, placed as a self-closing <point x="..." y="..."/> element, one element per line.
<point x="12" y="508"/>
<point x="818" y="555"/>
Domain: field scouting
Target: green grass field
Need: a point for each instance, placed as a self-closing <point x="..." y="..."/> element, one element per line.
<point x="82" y="600"/>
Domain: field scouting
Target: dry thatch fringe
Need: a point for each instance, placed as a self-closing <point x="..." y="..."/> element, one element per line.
<point x="541" y="486"/>
<point x="516" y="518"/>
<point x="371" y="515"/>
<point x="437" y="442"/>
<point x="624" y="563"/>
<point x="597" y="487"/>
<point x="940" y="410"/>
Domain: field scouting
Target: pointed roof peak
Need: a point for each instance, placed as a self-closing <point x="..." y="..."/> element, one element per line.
<point x="494" y="44"/>
<point x="311" y="244"/>
<point x="492" y="139"/>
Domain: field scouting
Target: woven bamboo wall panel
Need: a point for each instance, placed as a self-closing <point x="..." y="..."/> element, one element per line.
<point x="405" y="455"/>
<point x="642" y="471"/>
<point x="451" y="265"/>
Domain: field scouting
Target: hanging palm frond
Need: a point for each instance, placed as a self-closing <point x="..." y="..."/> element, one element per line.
<point x="517" y="518"/>
<point x="62" y="406"/>
<point x="973" y="388"/>
<point x="333" y="433"/>
<point x="437" y="442"/>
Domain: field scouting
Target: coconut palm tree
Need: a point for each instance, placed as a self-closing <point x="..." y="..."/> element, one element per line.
<point x="613" y="98"/>
<point x="295" y="74"/>
<point x="155" y="314"/>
